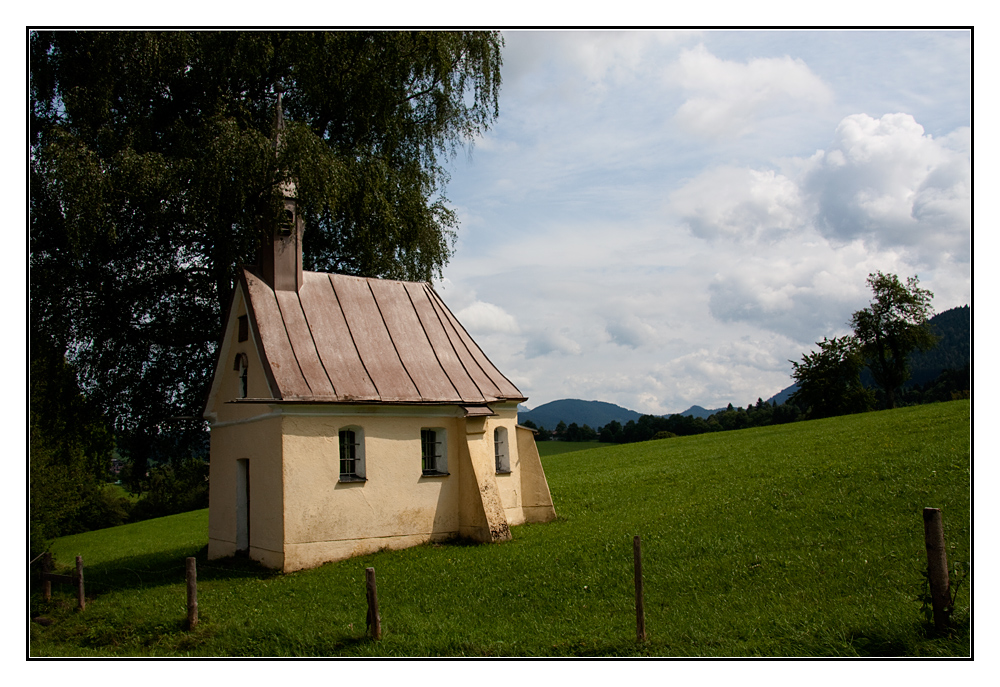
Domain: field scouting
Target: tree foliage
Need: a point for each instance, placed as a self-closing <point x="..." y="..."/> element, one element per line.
<point x="154" y="166"/>
<point x="891" y="328"/>
<point x="69" y="452"/>
<point x="830" y="380"/>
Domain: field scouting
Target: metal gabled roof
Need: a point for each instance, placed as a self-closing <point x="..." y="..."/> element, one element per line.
<point x="343" y="339"/>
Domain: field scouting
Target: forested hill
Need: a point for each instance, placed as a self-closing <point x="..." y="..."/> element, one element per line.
<point x="953" y="351"/>
<point x="593" y="413"/>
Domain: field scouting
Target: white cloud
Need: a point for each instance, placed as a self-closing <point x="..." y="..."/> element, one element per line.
<point x="545" y="343"/>
<point x="486" y="318"/>
<point x="884" y="196"/>
<point x="630" y="331"/>
<point x="726" y="98"/>
<point x="735" y="372"/>
<point x="740" y="204"/>
<point x="803" y="288"/>
<point x="655" y="269"/>
<point x="886" y="181"/>
<point x="591" y="59"/>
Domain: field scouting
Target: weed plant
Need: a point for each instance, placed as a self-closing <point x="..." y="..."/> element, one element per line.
<point x="792" y="540"/>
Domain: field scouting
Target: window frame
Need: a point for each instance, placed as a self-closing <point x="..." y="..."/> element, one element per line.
<point x="501" y="450"/>
<point x="438" y="437"/>
<point x="242" y="364"/>
<point x="359" y="473"/>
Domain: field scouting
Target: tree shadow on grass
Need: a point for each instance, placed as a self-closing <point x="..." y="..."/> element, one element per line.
<point x="879" y="645"/>
<point x="918" y="639"/>
<point x="163" y="568"/>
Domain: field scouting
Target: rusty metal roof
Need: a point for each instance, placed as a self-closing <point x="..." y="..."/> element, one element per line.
<point x="345" y="339"/>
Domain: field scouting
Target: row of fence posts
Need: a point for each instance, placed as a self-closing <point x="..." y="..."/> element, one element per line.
<point x="373" y="620"/>
<point x="937" y="573"/>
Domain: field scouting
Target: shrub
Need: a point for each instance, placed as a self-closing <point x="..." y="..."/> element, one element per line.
<point x="169" y="489"/>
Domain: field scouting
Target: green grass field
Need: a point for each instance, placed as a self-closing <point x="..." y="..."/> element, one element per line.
<point x="554" y="448"/>
<point x="796" y="540"/>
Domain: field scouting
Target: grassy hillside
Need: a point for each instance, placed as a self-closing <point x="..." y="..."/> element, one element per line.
<point x="554" y="448"/>
<point x="795" y="540"/>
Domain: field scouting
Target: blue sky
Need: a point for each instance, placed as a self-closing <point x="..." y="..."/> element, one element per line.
<point x="659" y="219"/>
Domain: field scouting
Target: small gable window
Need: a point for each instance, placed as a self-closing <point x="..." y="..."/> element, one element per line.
<point x="243" y="331"/>
<point x="433" y="452"/>
<point x="240" y="365"/>
<point x="500" y="450"/>
<point x="352" y="454"/>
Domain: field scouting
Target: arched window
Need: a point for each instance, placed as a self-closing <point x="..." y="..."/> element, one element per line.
<point x="240" y="365"/>
<point x="501" y="451"/>
<point x="352" y="454"/>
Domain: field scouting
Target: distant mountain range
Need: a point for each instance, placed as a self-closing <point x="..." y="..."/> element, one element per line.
<point x="952" y="352"/>
<point x="570" y="410"/>
<point x="596" y="414"/>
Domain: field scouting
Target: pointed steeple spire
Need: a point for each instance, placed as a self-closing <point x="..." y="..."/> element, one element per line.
<point x="281" y="252"/>
<point x="279" y="119"/>
<point x="288" y="186"/>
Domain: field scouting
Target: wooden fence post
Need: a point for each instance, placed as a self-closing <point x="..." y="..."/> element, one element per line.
<point x="46" y="583"/>
<point x="640" y="610"/>
<point x="937" y="566"/>
<point x="192" y="593"/>
<point x="81" y="600"/>
<point x="374" y="620"/>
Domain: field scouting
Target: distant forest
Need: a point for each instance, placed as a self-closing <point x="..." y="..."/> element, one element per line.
<point x="940" y="374"/>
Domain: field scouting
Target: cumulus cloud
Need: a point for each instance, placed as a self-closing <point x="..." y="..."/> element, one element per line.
<point x="725" y="98"/>
<point x="654" y="268"/>
<point x="599" y="58"/>
<point x="544" y="342"/>
<point x="486" y="318"/>
<point x="886" y="181"/>
<point x="739" y="203"/>
<point x="882" y="181"/>
<point x="630" y="331"/>
<point x="735" y="372"/>
<point x="804" y="289"/>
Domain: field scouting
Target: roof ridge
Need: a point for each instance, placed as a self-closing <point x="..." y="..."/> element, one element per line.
<point x="355" y="276"/>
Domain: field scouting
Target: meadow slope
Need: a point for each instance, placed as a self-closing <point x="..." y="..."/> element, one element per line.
<point x="795" y="540"/>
